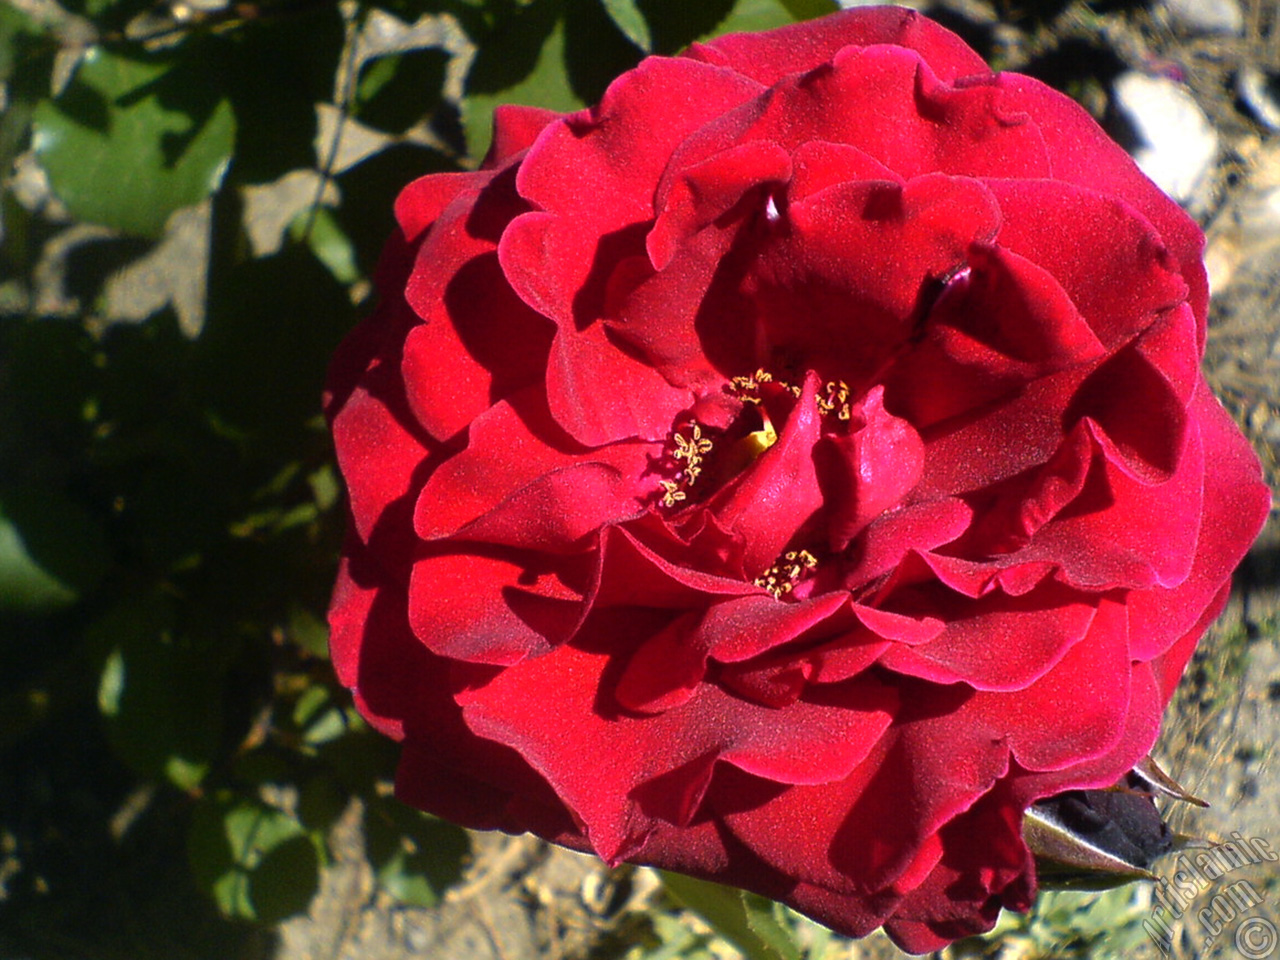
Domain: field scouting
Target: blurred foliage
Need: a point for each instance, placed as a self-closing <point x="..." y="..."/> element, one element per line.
<point x="194" y="197"/>
<point x="1067" y="925"/>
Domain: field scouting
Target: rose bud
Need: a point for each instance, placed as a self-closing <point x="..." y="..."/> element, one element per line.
<point x="786" y="473"/>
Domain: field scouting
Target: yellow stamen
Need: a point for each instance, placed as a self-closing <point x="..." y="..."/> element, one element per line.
<point x="691" y="450"/>
<point x="672" y="493"/>
<point x="781" y="578"/>
<point x="835" y="399"/>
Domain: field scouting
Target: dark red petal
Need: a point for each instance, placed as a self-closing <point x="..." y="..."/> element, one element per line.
<point x="619" y="151"/>
<point x="820" y="164"/>
<point x="1167" y="667"/>
<point x="768" y="57"/>
<point x="1123" y="530"/>
<point x="480" y="785"/>
<point x="699" y="194"/>
<point x="366" y="617"/>
<point x="515" y="128"/>
<point x="633" y="574"/>
<point x="869" y="470"/>
<point x="378" y="452"/>
<point x="736" y="630"/>
<point x="846" y="657"/>
<point x="488" y="609"/>
<point x="888" y="103"/>
<point x="984" y="867"/>
<point x="478" y="342"/>
<point x="600" y="394"/>
<point x="920" y="526"/>
<point x="840" y="289"/>
<point x="661" y="319"/>
<point x="1143" y="423"/>
<point x="1002" y="441"/>
<point x="863" y="833"/>
<point x="996" y="642"/>
<point x="909" y="629"/>
<point x="558" y="510"/>
<point x="1235" y="506"/>
<point x="1075" y="712"/>
<point x="779" y="492"/>
<point x="666" y="669"/>
<point x="995" y="327"/>
<point x="1112" y="263"/>
<point x="522" y="482"/>
<point x="680" y="746"/>
<point x="423" y="200"/>
<point x="1084" y="155"/>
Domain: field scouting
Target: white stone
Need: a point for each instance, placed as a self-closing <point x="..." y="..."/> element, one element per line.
<point x="1207" y="16"/>
<point x="1177" y="144"/>
<point x="1253" y="84"/>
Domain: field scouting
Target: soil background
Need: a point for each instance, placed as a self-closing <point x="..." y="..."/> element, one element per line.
<point x="523" y="899"/>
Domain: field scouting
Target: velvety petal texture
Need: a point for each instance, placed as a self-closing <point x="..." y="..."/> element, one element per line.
<point x="786" y="472"/>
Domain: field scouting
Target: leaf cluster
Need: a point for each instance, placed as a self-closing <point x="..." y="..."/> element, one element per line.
<point x="194" y="197"/>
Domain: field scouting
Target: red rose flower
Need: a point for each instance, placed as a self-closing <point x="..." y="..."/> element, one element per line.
<point x="786" y="472"/>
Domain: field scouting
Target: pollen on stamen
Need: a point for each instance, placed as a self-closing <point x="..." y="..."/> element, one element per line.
<point x="835" y="399"/>
<point x="747" y="389"/>
<point x="771" y="213"/>
<point x="781" y="578"/>
<point x="672" y="494"/>
<point x="690" y="449"/>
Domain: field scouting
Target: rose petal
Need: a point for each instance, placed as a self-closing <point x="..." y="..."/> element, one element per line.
<point x="779" y="492"/>
<point x="996" y="642"/>
<point x="521" y="481"/>
<point x="478" y="342"/>
<point x="917" y="527"/>
<point x="999" y="325"/>
<point x="1086" y="693"/>
<point x="553" y="733"/>
<point x="1083" y="154"/>
<point x="1235" y="505"/>
<point x="492" y="610"/>
<point x="633" y="574"/>
<point x="768" y="57"/>
<point x="697" y="195"/>
<point x="515" y="128"/>
<point x="869" y="470"/>
<point x="1114" y="266"/>
<point x="840" y="289"/>
<point x="619" y="151"/>
<point x="862" y="833"/>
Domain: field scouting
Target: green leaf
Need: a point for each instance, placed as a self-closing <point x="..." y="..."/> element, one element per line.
<point x="396" y="91"/>
<point x="16" y="33"/>
<point x="765" y="918"/>
<point x="132" y="140"/>
<point x="750" y="16"/>
<point x="746" y="920"/>
<point x="51" y="551"/>
<point x="415" y="857"/>
<point x="521" y="61"/>
<point x="675" y="24"/>
<point x="329" y="243"/>
<point x="160" y="695"/>
<point x="630" y="21"/>
<point x="285" y="880"/>
<point x="308" y="632"/>
<point x="810" y="9"/>
<point x="257" y="862"/>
